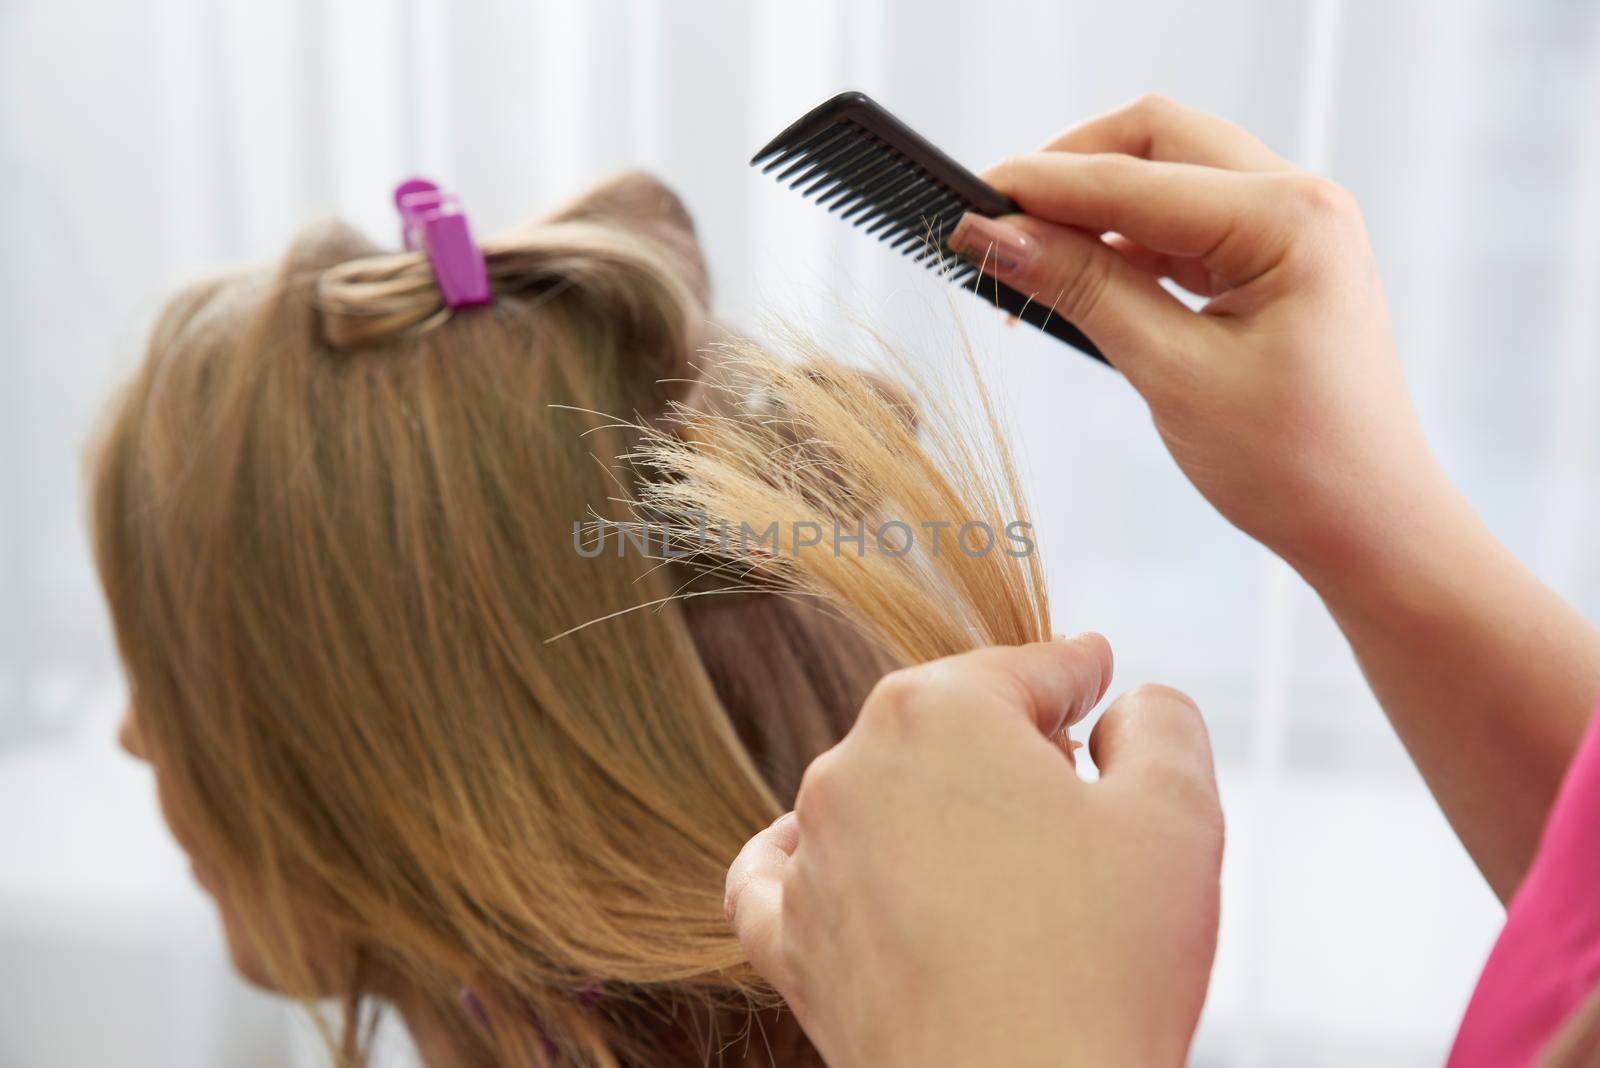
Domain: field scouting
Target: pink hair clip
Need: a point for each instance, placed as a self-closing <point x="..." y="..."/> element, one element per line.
<point x="433" y="222"/>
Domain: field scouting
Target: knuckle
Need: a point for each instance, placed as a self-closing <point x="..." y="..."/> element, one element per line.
<point x="817" y="785"/>
<point x="894" y="694"/>
<point x="1081" y="286"/>
<point x="1005" y="166"/>
<point x="1318" y="198"/>
<point x="1151" y="103"/>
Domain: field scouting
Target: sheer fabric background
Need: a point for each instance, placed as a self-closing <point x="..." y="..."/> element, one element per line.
<point x="145" y="142"/>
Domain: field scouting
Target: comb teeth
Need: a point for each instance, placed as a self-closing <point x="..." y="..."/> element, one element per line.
<point x="876" y="173"/>
<point x="850" y="170"/>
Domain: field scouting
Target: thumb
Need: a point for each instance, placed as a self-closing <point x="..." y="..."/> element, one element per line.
<point x="753" y="898"/>
<point x="1123" y="310"/>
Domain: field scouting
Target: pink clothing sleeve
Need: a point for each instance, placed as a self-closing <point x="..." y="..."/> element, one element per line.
<point x="1547" y="959"/>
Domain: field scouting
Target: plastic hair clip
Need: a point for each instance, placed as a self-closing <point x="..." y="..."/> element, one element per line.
<point x="433" y="222"/>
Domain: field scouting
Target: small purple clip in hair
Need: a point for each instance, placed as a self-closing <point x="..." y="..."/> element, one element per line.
<point x="433" y="221"/>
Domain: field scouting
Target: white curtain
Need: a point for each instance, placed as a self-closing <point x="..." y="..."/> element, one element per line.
<point x="143" y="141"/>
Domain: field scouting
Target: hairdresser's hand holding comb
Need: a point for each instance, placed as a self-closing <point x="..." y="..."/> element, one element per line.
<point x="949" y="892"/>
<point x="1283" y="400"/>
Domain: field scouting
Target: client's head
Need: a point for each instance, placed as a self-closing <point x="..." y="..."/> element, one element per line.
<point x="334" y="523"/>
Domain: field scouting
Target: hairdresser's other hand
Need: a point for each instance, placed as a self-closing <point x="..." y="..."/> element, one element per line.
<point x="1283" y="399"/>
<point x="949" y="892"/>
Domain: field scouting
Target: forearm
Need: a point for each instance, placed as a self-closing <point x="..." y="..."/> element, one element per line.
<point x="1488" y="676"/>
<point x="1285" y="403"/>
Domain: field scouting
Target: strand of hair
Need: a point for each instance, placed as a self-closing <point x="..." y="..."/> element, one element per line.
<point x="910" y="210"/>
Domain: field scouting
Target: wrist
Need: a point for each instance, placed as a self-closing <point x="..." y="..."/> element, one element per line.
<point x="1398" y="557"/>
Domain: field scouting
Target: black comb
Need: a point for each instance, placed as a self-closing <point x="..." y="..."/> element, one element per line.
<point x="876" y="172"/>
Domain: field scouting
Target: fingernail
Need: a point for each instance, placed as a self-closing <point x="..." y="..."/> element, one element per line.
<point x="1005" y="249"/>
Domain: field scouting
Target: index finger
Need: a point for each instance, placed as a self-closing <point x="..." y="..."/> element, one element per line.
<point x="1239" y="224"/>
<point x="1153" y="127"/>
<point x="1052" y="684"/>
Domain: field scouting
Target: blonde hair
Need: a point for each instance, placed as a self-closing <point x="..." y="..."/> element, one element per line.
<point x="334" y="524"/>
